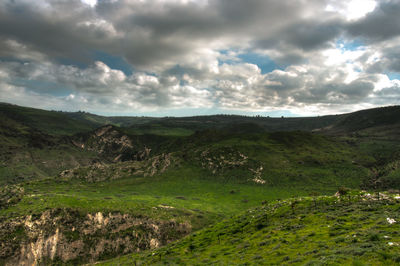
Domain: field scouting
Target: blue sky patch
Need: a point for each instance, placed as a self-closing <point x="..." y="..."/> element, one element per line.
<point x="393" y="75"/>
<point x="40" y="86"/>
<point x="349" y="45"/>
<point x="265" y="63"/>
<point x="71" y="62"/>
<point x="12" y="59"/>
<point x="114" y="62"/>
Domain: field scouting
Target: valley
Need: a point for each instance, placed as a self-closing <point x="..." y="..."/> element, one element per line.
<point x="79" y="188"/>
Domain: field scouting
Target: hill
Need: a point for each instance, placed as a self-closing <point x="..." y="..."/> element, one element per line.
<point x="69" y="123"/>
<point x="369" y="121"/>
<point x="354" y="229"/>
<point x="108" y="186"/>
<point x="50" y="122"/>
<point x="210" y="176"/>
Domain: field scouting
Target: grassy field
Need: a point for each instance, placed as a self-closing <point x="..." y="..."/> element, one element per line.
<point x="189" y="195"/>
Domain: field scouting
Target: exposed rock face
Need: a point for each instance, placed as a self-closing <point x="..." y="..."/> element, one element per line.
<point x="9" y="195"/>
<point x="159" y="164"/>
<point x="69" y="236"/>
<point x="107" y="136"/>
<point x="224" y="159"/>
<point x="100" y="172"/>
<point x="257" y="175"/>
<point x="110" y="143"/>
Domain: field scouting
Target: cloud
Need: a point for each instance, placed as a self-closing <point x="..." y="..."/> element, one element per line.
<point x="192" y="54"/>
<point x="379" y="25"/>
<point x="10" y="48"/>
<point x="391" y="58"/>
<point x="305" y="35"/>
<point x="98" y="87"/>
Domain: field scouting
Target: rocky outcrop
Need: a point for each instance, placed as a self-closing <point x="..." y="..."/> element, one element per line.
<point x="10" y="195"/>
<point x="67" y="235"/>
<point x="159" y="164"/>
<point x="100" y="172"/>
<point x="111" y="144"/>
<point x="221" y="160"/>
<point x="257" y="175"/>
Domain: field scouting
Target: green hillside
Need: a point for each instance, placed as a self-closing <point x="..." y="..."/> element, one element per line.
<point x="212" y="175"/>
<point x="67" y="123"/>
<point x="354" y="229"/>
<point x="79" y="188"/>
<point x="369" y="120"/>
<point x="50" y="122"/>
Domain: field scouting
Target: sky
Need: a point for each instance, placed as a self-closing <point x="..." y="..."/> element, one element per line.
<point x="195" y="57"/>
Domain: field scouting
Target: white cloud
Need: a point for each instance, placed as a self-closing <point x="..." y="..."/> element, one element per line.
<point x="189" y="53"/>
<point x="352" y="10"/>
<point x="91" y="3"/>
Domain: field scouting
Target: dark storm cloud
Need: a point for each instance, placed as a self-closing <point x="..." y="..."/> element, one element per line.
<point x="311" y="36"/>
<point x="306" y="35"/>
<point x="381" y="24"/>
<point x="50" y="30"/>
<point x="157" y="33"/>
<point x="389" y="60"/>
<point x="392" y="58"/>
<point x="153" y="32"/>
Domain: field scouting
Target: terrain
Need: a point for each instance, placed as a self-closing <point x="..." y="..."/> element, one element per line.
<point x="80" y="188"/>
<point x="353" y="229"/>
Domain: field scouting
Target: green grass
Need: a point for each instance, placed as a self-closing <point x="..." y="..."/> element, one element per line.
<point x="294" y="164"/>
<point x="157" y="129"/>
<point x="50" y="122"/>
<point x="294" y="159"/>
<point x="28" y="163"/>
<point x="302" y="231"/>
<point x="183" y="190"/>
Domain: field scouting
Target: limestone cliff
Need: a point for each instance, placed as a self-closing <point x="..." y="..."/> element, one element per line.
<point x="67" y="235"/>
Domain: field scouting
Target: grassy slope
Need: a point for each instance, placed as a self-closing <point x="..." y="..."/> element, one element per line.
<point x="68" y="123"/>
<point x="376" y="133"/>
<point x="35" y="163"/>
<point x="50" y="122"/>
<point x="159" y="129"/>
<point x="321" y="231"/>
<point x="290" y="159"/>
<point x="198" y="200"/>
<point x="53" y="122"/>
<point x="28" y="153"/>
<point x="369" y="119"/>
<point x="273" y="151"/>
<point x="294" y="164"/>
